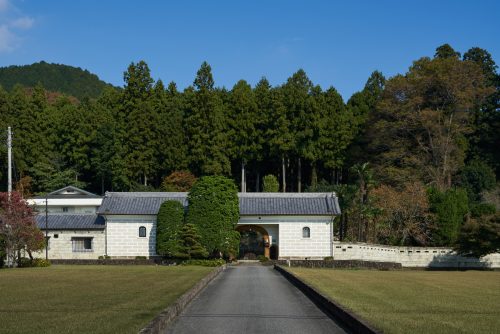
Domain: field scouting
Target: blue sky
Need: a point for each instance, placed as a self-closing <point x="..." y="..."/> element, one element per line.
<point x="337" y="43"/>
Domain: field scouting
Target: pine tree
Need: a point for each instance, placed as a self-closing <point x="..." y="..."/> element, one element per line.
<point x="190" y="244"/>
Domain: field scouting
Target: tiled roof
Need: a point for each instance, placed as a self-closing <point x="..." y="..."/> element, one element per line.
<point x="70" y="222"/>
<point x="289" y="204"/>
<point x="69" y="192"/>
<point x="142" y="203"/>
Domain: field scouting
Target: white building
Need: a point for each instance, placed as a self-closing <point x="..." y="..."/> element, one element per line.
<point x="277" y="225"/>
<point x="74" y="229"/>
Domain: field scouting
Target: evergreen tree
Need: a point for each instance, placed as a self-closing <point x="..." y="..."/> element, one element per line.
<point x="190" y="244"/>
<point x="141" y="123"/>
<point x="214" y="210"/>
<point x="170" y="221"/>
<point x="244" y="132"/>
<point x="270" y="184"/>
<point x="206" y="126"/>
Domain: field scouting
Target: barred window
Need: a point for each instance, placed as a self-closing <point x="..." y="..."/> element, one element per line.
<point x="142" y="232"/>
<point x="306" y="232"/>
<point x="82" y="244"/>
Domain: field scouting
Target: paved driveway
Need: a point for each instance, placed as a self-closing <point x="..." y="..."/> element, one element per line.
<point x="252" y="299"/>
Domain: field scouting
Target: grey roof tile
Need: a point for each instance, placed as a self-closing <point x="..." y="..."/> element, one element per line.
<point x="141" y="203"/>
<point x="71" y="222"/>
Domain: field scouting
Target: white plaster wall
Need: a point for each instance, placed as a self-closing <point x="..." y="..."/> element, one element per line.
<point x="412" y="256"/>
<point x="293" y="246"/>
<point x="62" y="248"/>
<point x="123" y="236"/>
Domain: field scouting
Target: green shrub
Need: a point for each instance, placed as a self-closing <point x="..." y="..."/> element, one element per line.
<point x="482" y="209"/>
<point x="40" y="263"/>
<point x="205" y="263"/>
<point x="450" y="208"/>
<point x="262" y="258"/>
<point x="328" y="258"/>
<point x="104" y="257"/>
<point x="169" y="224"/>
<point x="25" y="262"/>
<point x="190" y="246"/>
<point x="141" y="258"/>
<point x="270" y="184"/>
<point x="214" y="210"/>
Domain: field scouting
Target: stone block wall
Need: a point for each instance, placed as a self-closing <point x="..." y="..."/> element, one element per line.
<point x="416" y="257"/>
<point x="123" y="236"/>
<point x="293" y="246"/>
<point x="62" y="247"/>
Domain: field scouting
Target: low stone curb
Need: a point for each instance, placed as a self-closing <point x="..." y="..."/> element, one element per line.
<point x="160" y="323"/>
<point x="347" y="319"/>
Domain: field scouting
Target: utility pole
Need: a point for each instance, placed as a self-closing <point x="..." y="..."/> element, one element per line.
<point x="9" y="160"/>
<point x="46" y="227"/>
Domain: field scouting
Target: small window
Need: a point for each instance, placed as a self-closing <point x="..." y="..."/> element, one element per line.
<point x="56" y="236"/>
<point x="142" y="232"/>
<point x="82" y="244"/>
<point x="306" y="232"/>
<point x="65" y="209"/>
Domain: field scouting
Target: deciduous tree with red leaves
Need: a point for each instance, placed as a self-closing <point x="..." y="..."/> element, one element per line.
<point x="18" y="227"/>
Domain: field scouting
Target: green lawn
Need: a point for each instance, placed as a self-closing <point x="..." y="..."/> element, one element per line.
<point x="415" y="301"/>
<point x="89" y="299"/>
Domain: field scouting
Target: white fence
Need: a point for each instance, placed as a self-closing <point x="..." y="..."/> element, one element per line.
<point x="437" y="257"/>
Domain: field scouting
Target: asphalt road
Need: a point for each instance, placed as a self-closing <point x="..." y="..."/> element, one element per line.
<point x="252" y="299"/>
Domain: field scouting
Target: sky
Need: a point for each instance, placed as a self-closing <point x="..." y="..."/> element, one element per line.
<point x="337" y="43"/>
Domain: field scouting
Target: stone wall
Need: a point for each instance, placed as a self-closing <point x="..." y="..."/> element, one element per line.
<point x="416" y="257"/>
<point x="339" y="264"/>
<point x="123" y="236"/>
<point x="293" y="246"/>
<point x="62" y="247"/>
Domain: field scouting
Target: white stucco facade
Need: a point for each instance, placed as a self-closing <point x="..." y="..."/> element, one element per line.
<point x="123" y="240"/>
<point x="61" y="245"/>
<point x="286" y="233"/>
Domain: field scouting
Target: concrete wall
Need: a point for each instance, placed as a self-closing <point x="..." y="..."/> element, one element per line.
<point x="62" y="248"/>
<point x="123" y="236"/>
<point x="433" y="257"/>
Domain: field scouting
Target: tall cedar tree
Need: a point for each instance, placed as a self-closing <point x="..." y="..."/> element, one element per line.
<point x="141" y="124"/>
<point x="206" y="123"/>
<point x="244" y="121"/>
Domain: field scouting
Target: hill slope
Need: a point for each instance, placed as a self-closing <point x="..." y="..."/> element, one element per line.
<point x="54" y="77"/>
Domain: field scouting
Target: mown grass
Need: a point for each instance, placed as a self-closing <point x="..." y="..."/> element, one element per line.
<point x="415" y="301"/>
<point x="89" y="299"/>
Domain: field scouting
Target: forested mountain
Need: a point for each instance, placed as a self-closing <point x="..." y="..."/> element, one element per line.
<point x="413" y="157"/>
<point x="65" y="79"/>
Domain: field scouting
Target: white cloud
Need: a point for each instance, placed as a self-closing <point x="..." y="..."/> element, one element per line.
<point x="22" y="22"/>
<point x="8" y="41"/>
<point x="12" y="22"/>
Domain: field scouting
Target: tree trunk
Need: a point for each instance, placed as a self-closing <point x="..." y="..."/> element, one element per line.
<point x="299" y="176"/>
<point x="145" y="180"/>
<point x="314" y="177"/>
<point x="243" y="176"/>
<point x="257" y="182"/>
<point x="102" y="185"/>
<point x="283" y="173"/>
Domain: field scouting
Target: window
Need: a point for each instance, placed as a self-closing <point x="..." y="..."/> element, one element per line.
<point x="306" y="232"/>
<point x="65" y="209"/>
<point x="82" y="244"/>
<point x="142" y="232"/>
